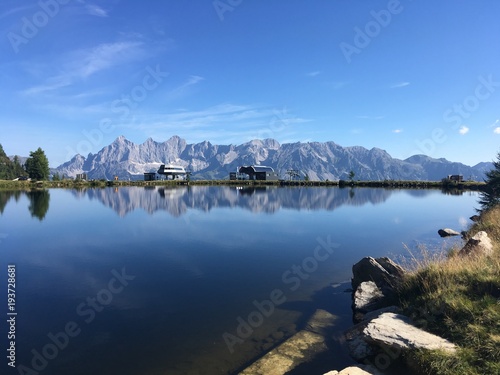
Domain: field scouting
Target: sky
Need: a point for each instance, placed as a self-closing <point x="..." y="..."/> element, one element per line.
<point x="409" y="77"/>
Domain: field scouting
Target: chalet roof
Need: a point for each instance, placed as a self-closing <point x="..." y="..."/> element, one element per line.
<point x="256" y="169"/>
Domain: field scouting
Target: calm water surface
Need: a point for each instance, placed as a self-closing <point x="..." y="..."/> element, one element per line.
<point x="149" y="280"/>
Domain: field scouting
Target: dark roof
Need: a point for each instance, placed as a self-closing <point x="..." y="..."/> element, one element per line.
<point x="256" y="169"/>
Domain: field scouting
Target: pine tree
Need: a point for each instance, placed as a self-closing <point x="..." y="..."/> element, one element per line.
<point x="351" y="175"/>
<point x="18" y="168"/>
<point x="491" y="195"/>
<point x="37" y="165"/>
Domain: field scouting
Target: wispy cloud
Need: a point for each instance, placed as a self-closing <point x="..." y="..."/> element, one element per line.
<point x="496" y="130"/>
<point x="95" y="10"/>
<point x="83" y="63"/>
<point x="52" y="84"/>
<point x="184" y="88"/>
<point x="313" y="74"/>
<point x="463" y="130"/>
<point x="224" y="120"/>
<point x="400" y="85"/>
<point x="90" y="61"/>
<point x="397" y="131"/>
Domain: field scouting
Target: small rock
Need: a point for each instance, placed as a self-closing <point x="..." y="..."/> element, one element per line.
<point x="376" y="313"/>
<point x="475" y="218"/>
<point x="394" y="269"/>
<point x="367" y="297"/>
<point x="396" y="331"/>
<point x="447" y="232"/>
<point x="480" y="244"/>
<point x="355" y="370"/>
<point x="382" y="271"/>
<point x="359" y="349"/>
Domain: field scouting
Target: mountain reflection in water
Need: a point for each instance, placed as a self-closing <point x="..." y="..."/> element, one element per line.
<point x="178" y="200"/>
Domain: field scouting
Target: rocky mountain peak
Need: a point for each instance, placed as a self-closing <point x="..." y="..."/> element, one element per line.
<point x="319" y="160"/>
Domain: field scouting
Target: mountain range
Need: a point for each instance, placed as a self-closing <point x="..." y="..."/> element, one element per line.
<point x="319" y="160"/>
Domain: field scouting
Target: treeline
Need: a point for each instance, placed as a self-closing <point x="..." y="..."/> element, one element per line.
<point x="36" y="166"/>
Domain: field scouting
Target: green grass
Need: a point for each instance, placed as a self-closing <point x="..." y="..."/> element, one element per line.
<point x="458" y="298"/>
<point x="390" y="184"/>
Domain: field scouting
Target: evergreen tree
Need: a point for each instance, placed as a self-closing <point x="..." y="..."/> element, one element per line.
<point x="37" y="165"/>
<point x="18" y="168"/>
<point x="5" y="167"/>
<point x="351" y="175"/>
<point x="491" y="195"/>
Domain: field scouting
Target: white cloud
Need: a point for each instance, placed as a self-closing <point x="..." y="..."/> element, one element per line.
<point x="397" y="131"/>
<point x="496" y="130"/>
<point x="104" y="56"/>
<point x="83" y="63"/>
<point x="238" y="121"/>
<point x="463" y="130"/>
<point x="96" y="10"/>
<point x="399" y="85"/>
<point x="52" y="84"/>
<point x="184" y="87"/>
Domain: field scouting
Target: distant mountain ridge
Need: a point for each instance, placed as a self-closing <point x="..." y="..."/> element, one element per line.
<point x="319" y="160"/>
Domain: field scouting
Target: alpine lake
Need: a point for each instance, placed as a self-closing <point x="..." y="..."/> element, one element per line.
<point x="195" y="279"/>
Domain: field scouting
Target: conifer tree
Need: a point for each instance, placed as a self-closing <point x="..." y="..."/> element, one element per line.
<point x="37" y="165"/>
<point x="491" y="195"/>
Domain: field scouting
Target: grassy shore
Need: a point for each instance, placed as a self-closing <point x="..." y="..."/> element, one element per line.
<point x="5" y="184"/>
<point x="458" y="298"/>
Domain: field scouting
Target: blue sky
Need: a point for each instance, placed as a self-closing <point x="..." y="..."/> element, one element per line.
<point x="410" y="77"/>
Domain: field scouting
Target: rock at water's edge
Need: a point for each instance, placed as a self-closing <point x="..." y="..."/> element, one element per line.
<point x="355" y="370"/>
<point x="381" y="271"/>
<point x="368" y="297"/>
<point x="396" y="331"/>
<point x="447" y="232"/>
<point x="480" y="244"/>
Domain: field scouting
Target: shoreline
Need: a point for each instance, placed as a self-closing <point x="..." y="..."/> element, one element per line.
<point x="419" y="310"/>
<point x="389" y="184"/>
